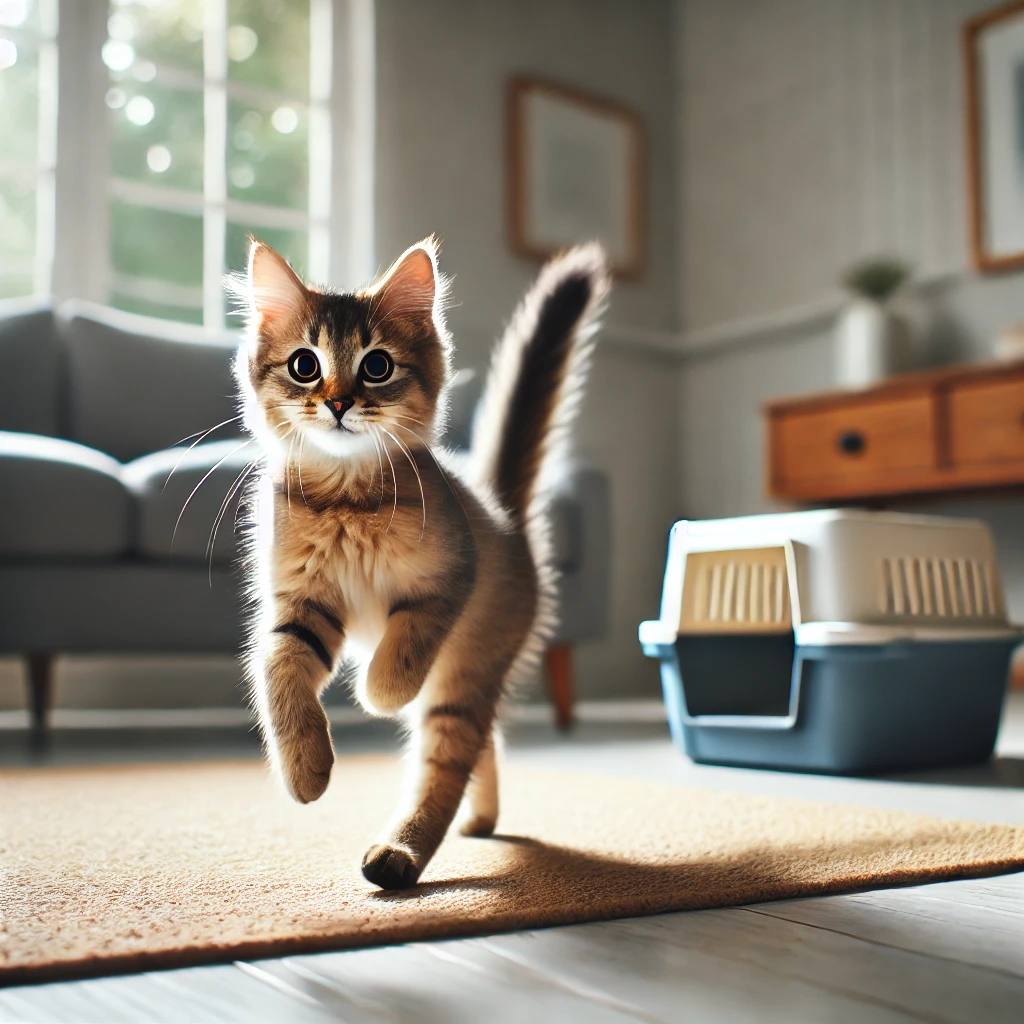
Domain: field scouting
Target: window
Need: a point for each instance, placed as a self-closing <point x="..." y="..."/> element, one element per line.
<point x="219" y="125"/>
<point x="173" y="129"/>
<point x="28" y="123"/>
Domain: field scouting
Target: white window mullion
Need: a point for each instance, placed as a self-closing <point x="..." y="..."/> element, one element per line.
<point x="46" y="227"/>
<point x="46" y="155"/>
<point x="142" y="193"/>
<point x="176" y="200"/>
<point x="81" y="266"/>
<point x="215" y="131"/>
<point x="162" y="292"/>
<point x="320" y="150"/>
<point x="353" y="259"/>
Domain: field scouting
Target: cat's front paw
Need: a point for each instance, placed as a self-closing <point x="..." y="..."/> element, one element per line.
<point x="390" y="867"/>
<point x="306" y="763"/>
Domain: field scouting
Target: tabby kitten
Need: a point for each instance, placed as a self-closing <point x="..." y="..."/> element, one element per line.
<point x="369" y="546"/>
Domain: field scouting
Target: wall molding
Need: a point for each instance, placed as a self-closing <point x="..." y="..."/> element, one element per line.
<point x="621" y="337"/>
<point x="754" y="330"/>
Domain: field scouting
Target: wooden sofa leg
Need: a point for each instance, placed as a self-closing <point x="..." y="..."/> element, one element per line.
<point x="559" y="672"/>
<point x="40" y="691"/>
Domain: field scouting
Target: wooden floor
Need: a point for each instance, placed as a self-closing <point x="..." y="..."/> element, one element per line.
<point x="948" y="952"/>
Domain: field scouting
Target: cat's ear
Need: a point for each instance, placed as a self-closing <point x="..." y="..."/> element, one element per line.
<point x="410" y="289"/>
<point x="276" y="295"/>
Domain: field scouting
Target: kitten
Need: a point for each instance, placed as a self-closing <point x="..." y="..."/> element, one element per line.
<point x="369" y="546"/>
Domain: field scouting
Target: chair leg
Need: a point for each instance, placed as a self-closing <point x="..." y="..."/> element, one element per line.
<point x="40" y="691"/>
<point x="558" y="661"/>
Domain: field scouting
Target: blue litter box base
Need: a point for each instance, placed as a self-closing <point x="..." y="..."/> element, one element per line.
<point x="864" y="710"/>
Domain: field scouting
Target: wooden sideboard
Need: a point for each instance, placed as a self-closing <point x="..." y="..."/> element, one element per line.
<point x="955" y="429"/>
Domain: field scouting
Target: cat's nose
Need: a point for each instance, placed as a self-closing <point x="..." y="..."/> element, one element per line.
<point x="339" y="406"/>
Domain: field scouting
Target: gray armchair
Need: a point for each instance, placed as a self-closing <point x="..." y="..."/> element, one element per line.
<point x="97" y="408"/>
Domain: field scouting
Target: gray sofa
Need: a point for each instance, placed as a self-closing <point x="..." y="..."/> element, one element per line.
<point x="96" y="409"/>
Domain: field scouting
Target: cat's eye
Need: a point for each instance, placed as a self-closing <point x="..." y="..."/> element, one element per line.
<point x="304" y="367"/>
<point x="377" y="367"/>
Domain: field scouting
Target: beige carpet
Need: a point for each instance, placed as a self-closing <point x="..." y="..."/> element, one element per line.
<point x="128" y="868"/>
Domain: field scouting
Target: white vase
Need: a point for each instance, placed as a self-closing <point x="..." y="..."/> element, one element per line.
<point x="872" y="343"/>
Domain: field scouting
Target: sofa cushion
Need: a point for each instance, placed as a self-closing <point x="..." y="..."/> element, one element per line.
<point x="31" y="400"/>
<point x="59" y="499"/>
<point x="137" y="385"/>
<point x="163" y="482"/>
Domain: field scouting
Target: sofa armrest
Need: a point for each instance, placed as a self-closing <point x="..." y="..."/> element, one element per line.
<point x="581" y="513"/>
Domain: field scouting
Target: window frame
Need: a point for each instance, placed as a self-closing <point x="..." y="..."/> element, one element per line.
<point x="43" y="42"/>
<point x="341" y="109"/>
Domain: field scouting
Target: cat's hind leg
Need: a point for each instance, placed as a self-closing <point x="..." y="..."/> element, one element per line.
<point x="479" y="812"/>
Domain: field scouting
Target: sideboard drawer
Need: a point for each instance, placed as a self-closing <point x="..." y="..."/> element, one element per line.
<point x="986" y="422"/>
<point x="854" y="447"/>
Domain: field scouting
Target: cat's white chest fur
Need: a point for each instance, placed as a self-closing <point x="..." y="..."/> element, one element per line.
<point x="372" y="576"/>
<point x="366" y="617"/>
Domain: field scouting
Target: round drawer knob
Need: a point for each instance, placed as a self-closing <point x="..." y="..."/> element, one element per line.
<point x="851" y="442"/>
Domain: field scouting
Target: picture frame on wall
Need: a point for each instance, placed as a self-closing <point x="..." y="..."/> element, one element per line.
<point x="575" y="172"/>
<point x="993" y="48"/>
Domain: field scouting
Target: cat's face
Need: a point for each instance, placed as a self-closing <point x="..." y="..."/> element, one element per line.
<point x="335" y="374"/>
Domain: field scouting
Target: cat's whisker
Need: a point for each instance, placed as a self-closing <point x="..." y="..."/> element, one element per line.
<point x="206" y="476"/>
<point x="416" y="469"/>
<point x="394" y="481"/>
<point x="182" y="440"/>
<point x="406" y="416"/>
<point x="302" y="441"/>
<point x="187" y="437"/>
<point x="232" y="490"/>
<point x="238" y="507"/>
<point x="444" y="475"/>
<point x="202" y="434"/>
<point x="288" y="469"/>
<point x="376" y="445"/>
<point x="292" y="428"/>
<point x="224" y="504"/>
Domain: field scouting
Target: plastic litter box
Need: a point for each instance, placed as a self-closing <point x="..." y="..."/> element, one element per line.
<point x="833" y="641"/>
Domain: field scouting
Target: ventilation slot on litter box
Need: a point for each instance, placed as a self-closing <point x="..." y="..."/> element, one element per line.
<point x="938" y="588"/>
<point x="741" y="593"/>
<point x="736" y="645"/>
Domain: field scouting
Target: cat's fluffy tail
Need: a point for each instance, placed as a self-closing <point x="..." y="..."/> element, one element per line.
<point x="537" y="377"/>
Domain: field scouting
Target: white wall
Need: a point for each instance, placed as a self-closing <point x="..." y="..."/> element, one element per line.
<point x="813" y="132"/>
<point x="442" y="69"/>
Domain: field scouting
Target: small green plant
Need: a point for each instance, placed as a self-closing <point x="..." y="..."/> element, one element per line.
<point x="878" y="278"/>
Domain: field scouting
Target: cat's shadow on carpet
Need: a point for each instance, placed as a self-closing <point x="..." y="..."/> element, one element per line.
<point x="533" y="866"/>
<point x="474" y="883"/>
